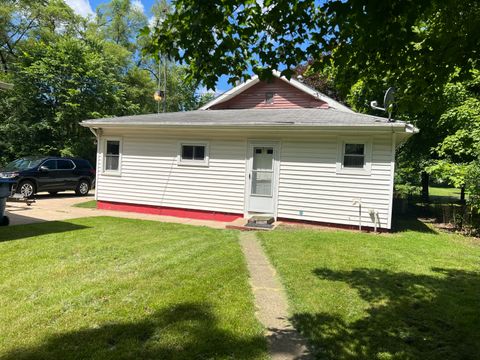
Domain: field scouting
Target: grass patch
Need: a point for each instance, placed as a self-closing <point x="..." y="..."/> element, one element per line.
<point x="91" y="204"/>
<point x="414" y="294"/>
<point x="443" y="195"/>
<point x="444" y="191"/>
<point x="110" y="288"/>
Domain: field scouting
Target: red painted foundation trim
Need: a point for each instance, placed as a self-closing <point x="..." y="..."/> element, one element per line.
<point x="333" y="225"/>
<point x="168" y="211"/>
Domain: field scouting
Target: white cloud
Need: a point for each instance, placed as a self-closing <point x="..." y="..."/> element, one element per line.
<point x="81" y="7"/>
<point x="138" y="4"/>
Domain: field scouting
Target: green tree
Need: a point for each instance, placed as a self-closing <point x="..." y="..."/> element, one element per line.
<point x="57" y="85"/>
<point x="459" y="151"/>
<point x="120" y="21"/>
<point x="24" y="19"/>
<point x="422" y="38"/>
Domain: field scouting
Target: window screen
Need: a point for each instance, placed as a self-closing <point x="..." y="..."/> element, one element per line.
<point x="354" y="156"/>
<point x="193" y="152"/>
<point x="112" y="157"/>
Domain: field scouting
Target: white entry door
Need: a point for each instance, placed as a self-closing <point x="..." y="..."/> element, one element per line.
<point x="263" y="160"/>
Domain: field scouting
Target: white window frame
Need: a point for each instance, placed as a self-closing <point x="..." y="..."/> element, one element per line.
<point x="117" y="172"/>
<point x="367" y="167"/>
<point x="202" y="163"/>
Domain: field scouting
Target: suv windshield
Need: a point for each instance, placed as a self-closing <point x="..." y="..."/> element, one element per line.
<point x="23" y="164"/>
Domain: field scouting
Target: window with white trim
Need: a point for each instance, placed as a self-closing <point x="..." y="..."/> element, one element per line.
<point x="354" y="156"/>
<point x="112" y="155"/>
<point x="193" y="154"/>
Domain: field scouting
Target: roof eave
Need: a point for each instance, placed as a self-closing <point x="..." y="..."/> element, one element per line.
<point x="390" y="127"/>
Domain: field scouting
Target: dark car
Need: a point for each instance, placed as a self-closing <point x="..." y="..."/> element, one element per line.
<point x="52" y="174"/>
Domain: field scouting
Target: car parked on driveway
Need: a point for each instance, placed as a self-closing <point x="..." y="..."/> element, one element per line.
<point x="52" y="174"/>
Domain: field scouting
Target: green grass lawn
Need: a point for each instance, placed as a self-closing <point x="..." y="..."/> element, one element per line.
<point x="90" y="204"/>
<point x="444" y="191"/>
<point x="109" y="288"/>
<point x="414" y="294"/>
<point x="444" y="195"/>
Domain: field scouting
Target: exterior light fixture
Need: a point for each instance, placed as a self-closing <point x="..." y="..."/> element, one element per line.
<point x="159" y="95"/>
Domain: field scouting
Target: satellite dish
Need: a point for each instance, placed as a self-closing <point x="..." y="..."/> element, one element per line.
<point x="388" y="102"/>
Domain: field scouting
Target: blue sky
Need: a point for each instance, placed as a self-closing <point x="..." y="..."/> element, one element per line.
<point x="87" y="7"/>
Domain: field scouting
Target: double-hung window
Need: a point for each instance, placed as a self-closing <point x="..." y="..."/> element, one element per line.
<point x="193" y="154"/>
<point x="112" y="157"/>
<point x="354" y="156"/>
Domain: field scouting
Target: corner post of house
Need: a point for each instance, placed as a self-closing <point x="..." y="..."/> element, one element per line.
<point x="392" y="181"/>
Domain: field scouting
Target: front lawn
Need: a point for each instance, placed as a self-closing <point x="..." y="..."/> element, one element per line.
<point x="109" y="288"/>
<point x="414" y="294"/>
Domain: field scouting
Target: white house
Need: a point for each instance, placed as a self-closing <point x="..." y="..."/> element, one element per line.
<point x="277" y="148"/>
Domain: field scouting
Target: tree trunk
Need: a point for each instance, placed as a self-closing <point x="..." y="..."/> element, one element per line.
<point x="4" y="62"/>
<point x="425" y="181"/>
<point x="462" y="194"/>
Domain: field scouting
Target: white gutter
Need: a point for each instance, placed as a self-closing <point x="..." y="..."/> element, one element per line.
<point x="392" y="127"/>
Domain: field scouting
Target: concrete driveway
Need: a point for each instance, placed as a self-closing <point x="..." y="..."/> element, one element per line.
<point x="60" y="207"/>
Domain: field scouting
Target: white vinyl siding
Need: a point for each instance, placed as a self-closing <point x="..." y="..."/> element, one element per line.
<point x="309" y="186"/>
<point x="151" y="175"/>
<point x="311" y="189"/>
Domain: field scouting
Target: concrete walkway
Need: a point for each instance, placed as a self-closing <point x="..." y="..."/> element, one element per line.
<point x="284" y="342"/>
<point x="61" y="207"/>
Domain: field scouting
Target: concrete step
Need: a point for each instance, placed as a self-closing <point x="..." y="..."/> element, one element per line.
<point x="261" y="221"/>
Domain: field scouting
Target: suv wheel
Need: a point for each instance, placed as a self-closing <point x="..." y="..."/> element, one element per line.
<point x="26" y="188"/>
<point x="4" y="221"/>
<point x="83" y="188"/>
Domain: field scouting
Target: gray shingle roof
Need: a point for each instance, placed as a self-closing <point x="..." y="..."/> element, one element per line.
<point x="250" y="118"/>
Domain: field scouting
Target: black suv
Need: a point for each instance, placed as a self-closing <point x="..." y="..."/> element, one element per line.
<point x="48" y="173"/>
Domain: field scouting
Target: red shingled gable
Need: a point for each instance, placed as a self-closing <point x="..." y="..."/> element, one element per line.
<point x="285" y="96"/>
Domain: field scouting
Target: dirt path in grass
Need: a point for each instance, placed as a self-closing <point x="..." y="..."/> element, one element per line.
<point x="284" y="342"/>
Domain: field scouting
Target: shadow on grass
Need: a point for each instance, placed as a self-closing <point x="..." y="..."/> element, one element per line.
<point x="17" y="232"/>
<point x="184" y="331"/>
<point x="410" y="223"/>
<point x="410" y="317"/>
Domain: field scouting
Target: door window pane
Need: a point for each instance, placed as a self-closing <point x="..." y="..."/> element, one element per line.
<point x="64" y="165"/>
<point x="262" y="183"/>
<point x="263" y="159"/>
<point x="262" y="171"/>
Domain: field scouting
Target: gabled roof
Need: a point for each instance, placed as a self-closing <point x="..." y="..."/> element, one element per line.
<point x="295" y="83"/>
<point x="256" y="118"/>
